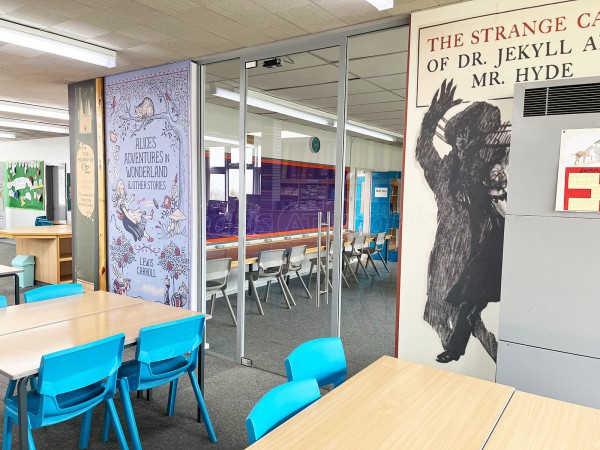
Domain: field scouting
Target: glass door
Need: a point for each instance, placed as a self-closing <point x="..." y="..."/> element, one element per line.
<point x="291" y="113"/>
<point x="221" y="167"/>
<point x="376" y="96"/>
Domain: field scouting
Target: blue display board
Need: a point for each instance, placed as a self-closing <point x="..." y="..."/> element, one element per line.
<point x="148" y="183"/>
<point x="382" y="218"/>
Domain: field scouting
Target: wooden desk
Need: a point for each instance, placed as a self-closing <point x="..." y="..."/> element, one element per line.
<point x="533" y="422"/>
<point x="7" y="271"/>
<point x="104" y="315"/>
<point x="397" y="404"/>
<point x="52" y="248"/>
<point x="37" y="314"/>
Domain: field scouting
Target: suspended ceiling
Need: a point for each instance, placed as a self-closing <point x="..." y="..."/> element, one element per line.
<point x="146" y="33"/>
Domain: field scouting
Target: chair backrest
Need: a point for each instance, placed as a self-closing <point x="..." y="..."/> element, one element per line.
<point x="296" y="257"/>
<point x="165" y="341"/>
<point x="3" y="303"/>
<point x="322" y="359"/>
<point x="278" y="405"/>
<point x="52" y="291"/>
<point x="74" y="369"/>
<point x="358" y="243"/>
<point x="270" y="262"/>
<point x="217" y="271"/>
<point x="380" y="239"/>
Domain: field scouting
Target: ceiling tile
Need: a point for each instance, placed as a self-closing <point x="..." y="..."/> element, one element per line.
<point x="311" y="18"/>
<point x="376" y="66"/>
<point x="397" y="81"/>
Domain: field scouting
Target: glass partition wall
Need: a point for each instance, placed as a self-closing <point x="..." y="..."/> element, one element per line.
<point x="291" y="199"/>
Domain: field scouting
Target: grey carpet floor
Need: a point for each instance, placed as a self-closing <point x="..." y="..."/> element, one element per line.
<point x="367" y="322"/>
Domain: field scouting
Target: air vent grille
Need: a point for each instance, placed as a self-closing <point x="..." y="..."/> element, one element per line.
<point x="559" y="100"/>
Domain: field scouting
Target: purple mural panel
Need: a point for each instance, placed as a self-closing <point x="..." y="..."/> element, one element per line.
<point x="148" y="183"/>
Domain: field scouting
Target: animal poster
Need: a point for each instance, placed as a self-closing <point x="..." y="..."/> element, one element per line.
<point x="148" y="175"/>
<point x="24" y="184"/>
<point x="578" y="183"/>
<point x="464" y="62"/>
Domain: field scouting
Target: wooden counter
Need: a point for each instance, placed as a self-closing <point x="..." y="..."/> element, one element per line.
<point x="52" y="248"/>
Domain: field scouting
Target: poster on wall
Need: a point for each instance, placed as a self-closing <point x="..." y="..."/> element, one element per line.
<point x="148" y="183"/>
<point x="465" y="60"/>
<point x="578" y="183"/>
<point x="86" y="158"/>
<point x="24" y="187"/>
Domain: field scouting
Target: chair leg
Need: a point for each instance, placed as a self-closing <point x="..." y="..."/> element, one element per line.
<point x="255" y="295"/>
<point x="360" y="264"/>
<point x="86" y="424"/>
<point x="117" y="426"/>
<point x="286" y="287"/>
<point x="266" y="299"/>
<point x="349" y="266"/>
<point x="383" y="261"/>
<point x="172" y="397"/>
<point x="230" y="307"/>
<point x="30" y="439"/>
<point x="345" y="280"/>
<point x="213" y="299"/>
<point x="304" y="285"/>
<point x="310" y="272"/>
<point x="129" y="417"/>
<point x="203" y="411"/>
<point x="7" y="433"/>
<point x="285" y="296"/>
<point x="106" y="424"/>
<point x="370" y="258"/>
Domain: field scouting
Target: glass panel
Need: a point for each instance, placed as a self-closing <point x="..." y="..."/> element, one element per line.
<point x="290" y="179"/>
<point x="376" y="97"/>
<point x="221" y="139"/>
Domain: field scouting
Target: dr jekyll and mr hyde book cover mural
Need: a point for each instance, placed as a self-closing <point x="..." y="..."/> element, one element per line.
<point x="148" y="183"/>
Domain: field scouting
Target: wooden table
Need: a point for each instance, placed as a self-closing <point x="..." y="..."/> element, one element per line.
<point x="397" y="404"/>
<point x="7" y="271"/>
<point x="533" y="422"/>
<point x="37" y="329"/>
<point x="52" y="248"/>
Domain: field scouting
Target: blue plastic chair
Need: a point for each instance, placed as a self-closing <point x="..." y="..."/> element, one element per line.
<point x="3" y="303"/>
<point x="70" y="383"/>
<point x="280" y="404"/>
<point x="322" y="359"/>
<point x="165" y="352"/>
<point x="52" y="291"/>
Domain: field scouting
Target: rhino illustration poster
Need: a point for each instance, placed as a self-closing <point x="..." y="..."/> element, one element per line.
<point x="464" y="62"/>
<point x="148" y="183"/>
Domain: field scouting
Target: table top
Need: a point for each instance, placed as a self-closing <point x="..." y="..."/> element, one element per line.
<point x="397" y="404"/>
<point x="32" y="315"/>
<point x="21" y="351"/>
<point x="37" y="232"/>
<point x="5" y="270"/>
<point x="534" y="422"/>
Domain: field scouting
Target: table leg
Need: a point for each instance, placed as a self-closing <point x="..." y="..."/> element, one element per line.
<point x="17" y="297"/>
<point x="23" y="417"/>
<point x="387" y="243"/>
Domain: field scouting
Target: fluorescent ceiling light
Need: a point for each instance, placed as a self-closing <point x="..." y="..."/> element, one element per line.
<point x="369" y="132"/>
<point x="290" y="109"/>
<point x="53" y="43"/>
<point x="279" y="107"/>
<point x="284" y="134"/>
<point x="382" y="4"/>
<point x="7" y="135"/>
<point x="221" y="140"/>
<point x="37" y="126"/>
<point x="33" y="110"/>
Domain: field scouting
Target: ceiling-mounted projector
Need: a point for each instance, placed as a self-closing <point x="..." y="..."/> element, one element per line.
<point x="272" y="63"/>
